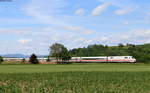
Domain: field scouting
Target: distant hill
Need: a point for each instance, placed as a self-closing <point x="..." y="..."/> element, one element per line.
<point x="15" y="55"/>
<point x="42" y="56"/>
<point x="21" y="56"/>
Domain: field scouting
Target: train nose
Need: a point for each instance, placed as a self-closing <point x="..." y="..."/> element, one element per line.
<point x="134" y="60"/>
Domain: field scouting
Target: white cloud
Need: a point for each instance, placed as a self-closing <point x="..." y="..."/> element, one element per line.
<point x="51" y="13"/>
<point x="120" y="3"/>
<point x="124" y="11"/>
<point x="78" y="29"/>
<point x="66" y="30"/>
<point x="99" y="9"/>
<point x="80" y="12"/>
<point x="134" y="36"/>
<point x="104" y="38"/>
<point x="14" y="31"/>
<point x="125" y="6"/>
<point x="46" y="12"/>
<point x="24" y="41"/>
<point x="148" y="13"/>
<point x="126" y="22"/>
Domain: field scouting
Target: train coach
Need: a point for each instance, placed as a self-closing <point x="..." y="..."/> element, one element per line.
<point x="111" y="59"/>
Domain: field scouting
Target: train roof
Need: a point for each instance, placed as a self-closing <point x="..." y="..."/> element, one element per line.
<point x="101" y="56"/>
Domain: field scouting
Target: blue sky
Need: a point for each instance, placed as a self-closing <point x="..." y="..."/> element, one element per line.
<point x="31" y="26"/>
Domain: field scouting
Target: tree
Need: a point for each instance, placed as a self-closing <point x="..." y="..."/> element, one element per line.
<point x="59" y="51"/>
<point x="33" y="59"/>
<point x="65" y="55"/>
<point x="1" y="59"/>
<point x="120" y="45"/>
<point x="48" y="59"/>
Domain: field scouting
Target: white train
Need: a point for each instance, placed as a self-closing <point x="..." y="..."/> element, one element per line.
<point x="21" y="59"/>
<point x="114" y="59"/>
<point x="13" y="59"/>
<point x="100" y="59"/>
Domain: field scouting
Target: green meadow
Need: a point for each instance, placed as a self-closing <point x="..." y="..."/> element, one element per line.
<point x="75" y="78"/>
<point x="89" y="67"/>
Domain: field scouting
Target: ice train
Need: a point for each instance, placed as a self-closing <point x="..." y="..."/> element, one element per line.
<point x="114" y="59"/>
<point x="100" y="59"/>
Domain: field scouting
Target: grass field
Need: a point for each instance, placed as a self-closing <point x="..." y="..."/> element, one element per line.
<point x="75" y="78"/>
<point x="74" y="67"/>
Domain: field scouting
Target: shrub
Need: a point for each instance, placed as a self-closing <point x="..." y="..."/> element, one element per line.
<point x="1" y="59"/>
<point x="33" y="59"/>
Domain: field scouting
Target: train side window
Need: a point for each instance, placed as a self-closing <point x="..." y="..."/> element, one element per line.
<point x="126" y="57"/>
<point x="93" y="58"/>
<point x="111" y="57"/>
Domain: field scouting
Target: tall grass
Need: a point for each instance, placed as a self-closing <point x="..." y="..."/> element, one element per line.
<point x="76" y="82"/>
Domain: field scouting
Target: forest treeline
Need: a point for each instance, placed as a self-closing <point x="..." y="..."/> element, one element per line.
<point x="140" y="52"/>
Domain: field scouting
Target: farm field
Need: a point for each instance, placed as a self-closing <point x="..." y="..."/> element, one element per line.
<point x="117" y="67"/>
<point x="75" y="78"/>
